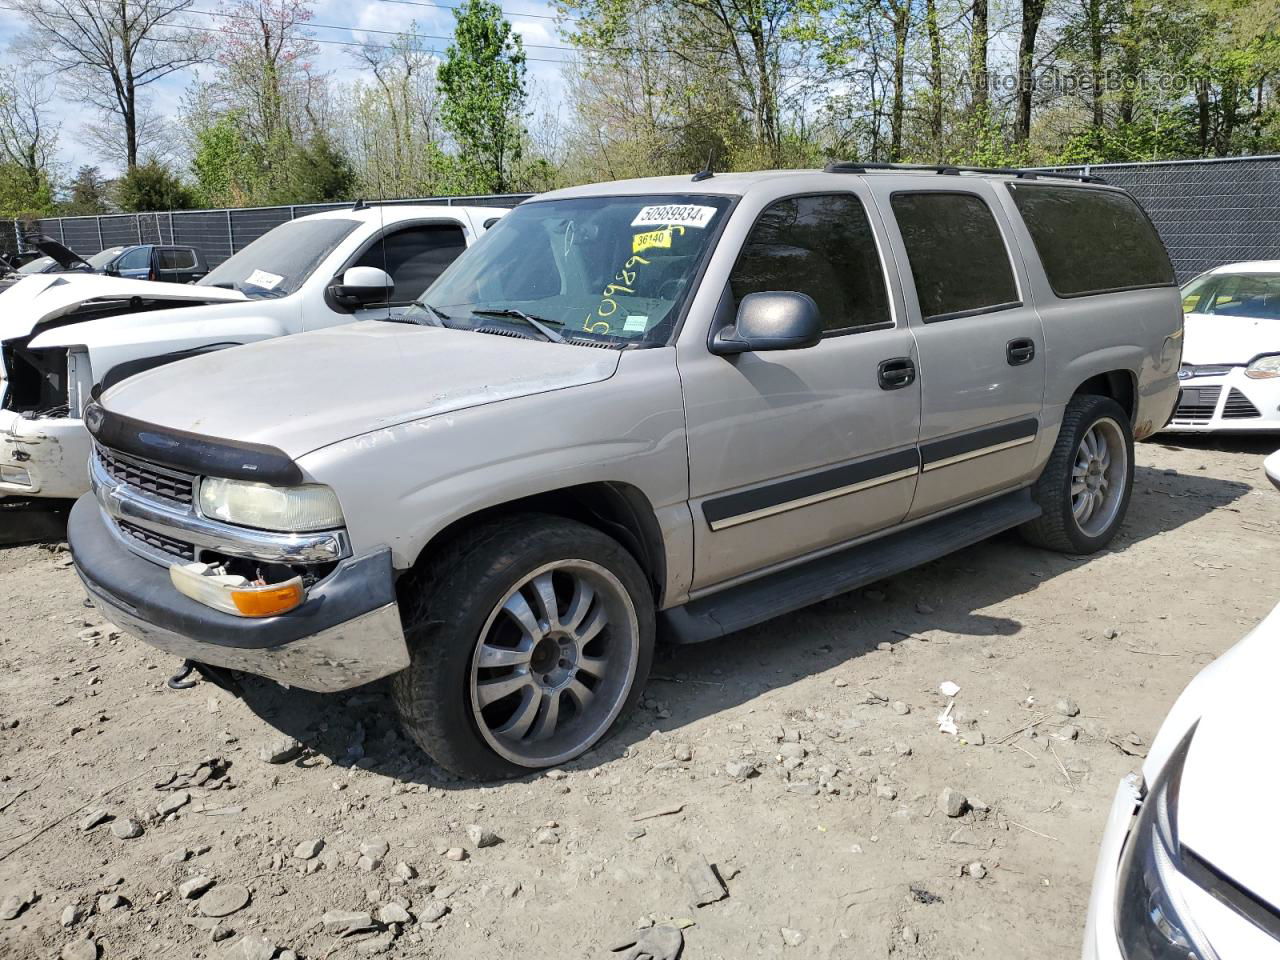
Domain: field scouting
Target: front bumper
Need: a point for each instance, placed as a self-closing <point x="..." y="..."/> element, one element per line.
<point x="48" y="457"/>
<point x="1100" y="928"/>
<point x="345" y="634"/>
<point x="1230" y="402"/>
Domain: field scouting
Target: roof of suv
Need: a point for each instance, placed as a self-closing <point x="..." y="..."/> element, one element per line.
<point x="396" y="212"/>
<point x="738" y="184"/>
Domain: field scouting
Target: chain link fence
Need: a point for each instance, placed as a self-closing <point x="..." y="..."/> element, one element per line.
<point x="1208" y="212"/>
<point x="217" y="233"/>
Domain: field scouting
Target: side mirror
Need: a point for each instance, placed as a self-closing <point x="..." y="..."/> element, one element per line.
<point x="362" y="285"/>
<point x="770" y="321"/>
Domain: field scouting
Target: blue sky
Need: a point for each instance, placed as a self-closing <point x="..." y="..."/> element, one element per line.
<point x="356" y="18"/>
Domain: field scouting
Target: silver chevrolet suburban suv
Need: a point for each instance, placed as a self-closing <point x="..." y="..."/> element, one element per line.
<point x="675" y="404"/>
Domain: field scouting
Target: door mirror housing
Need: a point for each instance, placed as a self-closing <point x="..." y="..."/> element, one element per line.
<point x="360" y="286"/>
<point x="770" y="321"/>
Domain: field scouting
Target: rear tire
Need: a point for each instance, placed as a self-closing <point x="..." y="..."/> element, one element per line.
<point x="529" y="637"/>
<point x="1085" y="487"/>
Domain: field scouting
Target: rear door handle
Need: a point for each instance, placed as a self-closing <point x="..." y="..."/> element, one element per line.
<point x="1019" y="351"/>
<point x="896" y="373"/>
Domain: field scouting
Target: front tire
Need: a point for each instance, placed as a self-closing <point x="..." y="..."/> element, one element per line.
<point x="529" y="637"/>
<point x="1085" y="487"/>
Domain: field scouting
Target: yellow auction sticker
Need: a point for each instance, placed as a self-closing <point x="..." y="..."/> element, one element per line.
<point x="648" y="241"/>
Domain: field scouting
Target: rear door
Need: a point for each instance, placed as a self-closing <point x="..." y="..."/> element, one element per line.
<point x="793" y="451"/>
<point x="177" y="265"/>
<point x="980" y="341"/>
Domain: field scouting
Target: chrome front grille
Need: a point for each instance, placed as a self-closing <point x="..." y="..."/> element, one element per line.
<point x="147" y="478"/>
<point x="1196" y="404"/>
<point x="156" y="541"/>
<point x="1238" y="407"/>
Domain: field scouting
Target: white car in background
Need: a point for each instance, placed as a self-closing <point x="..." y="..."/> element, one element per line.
<point x="1230" y="374"/>
<point x="63" y="335"/>
<point x="1190" y="861"/>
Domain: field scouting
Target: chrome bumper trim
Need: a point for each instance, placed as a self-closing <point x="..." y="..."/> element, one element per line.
<point x="122" y="502"/>
<point x="348" y="655"/>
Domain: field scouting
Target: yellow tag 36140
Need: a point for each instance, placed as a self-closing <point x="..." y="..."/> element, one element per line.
<point x="654" y="238"/>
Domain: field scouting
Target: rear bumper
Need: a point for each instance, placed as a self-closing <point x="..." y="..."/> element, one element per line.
<point x="48" y="457"/>
<point x="1230" y="403"/>
<point x="346" y="633"/>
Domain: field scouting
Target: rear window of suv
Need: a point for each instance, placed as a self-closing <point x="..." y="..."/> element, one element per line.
<point x="1092" y="241"/>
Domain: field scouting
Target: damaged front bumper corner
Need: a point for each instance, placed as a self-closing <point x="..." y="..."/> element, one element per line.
<point x="347" y="633"/>
<point x="44" y="457"/>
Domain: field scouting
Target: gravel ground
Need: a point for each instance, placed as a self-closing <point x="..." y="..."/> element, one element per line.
<point x="795" y="771"/>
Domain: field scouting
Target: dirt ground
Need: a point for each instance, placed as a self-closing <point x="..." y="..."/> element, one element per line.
<point x="836" y="848"/>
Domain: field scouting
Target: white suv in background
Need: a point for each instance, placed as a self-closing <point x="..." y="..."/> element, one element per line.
<point x="61" y="335"/>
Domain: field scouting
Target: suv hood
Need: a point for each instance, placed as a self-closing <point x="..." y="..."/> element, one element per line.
<point x="1218" y="339"/>
<point x="44" y="297"/>
<point x="307" y="391"/>
<point x="1226" y="812"/>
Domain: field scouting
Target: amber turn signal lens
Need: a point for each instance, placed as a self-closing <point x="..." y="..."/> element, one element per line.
<point x="268" y="601"/>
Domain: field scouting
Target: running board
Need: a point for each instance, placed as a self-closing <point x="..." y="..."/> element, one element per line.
<point x="756" y="601"/>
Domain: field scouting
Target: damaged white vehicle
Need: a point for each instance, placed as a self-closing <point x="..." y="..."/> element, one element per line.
<point x="61" y="335"/>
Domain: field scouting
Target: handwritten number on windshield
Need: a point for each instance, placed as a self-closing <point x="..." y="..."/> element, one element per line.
<point x="625" y="279"/>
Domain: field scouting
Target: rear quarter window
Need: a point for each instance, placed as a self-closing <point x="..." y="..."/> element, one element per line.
<point x="1092" y="241"/>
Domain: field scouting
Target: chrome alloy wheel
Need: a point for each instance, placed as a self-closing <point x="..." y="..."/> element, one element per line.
<point x="1098" y="477"/>
<point x="555" y="663"/>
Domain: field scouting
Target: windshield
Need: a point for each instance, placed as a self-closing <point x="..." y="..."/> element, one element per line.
<point x="1255" y="295"/>
<point x="39" y="265"/>
<point x="612" y="268"/>
<point x="100" y="260"/>
<point x="280" y="261"/>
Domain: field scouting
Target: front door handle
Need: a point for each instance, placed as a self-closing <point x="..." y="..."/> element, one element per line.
<point x="1019" y="351"/>
<point x="896" y="373"/>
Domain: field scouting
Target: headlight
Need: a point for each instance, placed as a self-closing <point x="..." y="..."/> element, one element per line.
<point x="1264" y="367"/>
<point x="311" y="506"/>
<point x="1151" y="920"/>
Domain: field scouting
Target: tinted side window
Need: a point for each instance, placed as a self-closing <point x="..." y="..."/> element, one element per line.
<point x="822" y="246"/>
<point x="1091" y="241"/>
<point x="958" y="258"/>
<point x="415" y="257"/>
<point x="176" y="258"/>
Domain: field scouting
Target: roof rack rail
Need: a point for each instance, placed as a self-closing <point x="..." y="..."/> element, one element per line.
<point x="947" y="169"/>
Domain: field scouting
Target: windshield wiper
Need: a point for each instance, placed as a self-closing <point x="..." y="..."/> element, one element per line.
<point x="538" y="323"/>
<point x="428" y="316"/>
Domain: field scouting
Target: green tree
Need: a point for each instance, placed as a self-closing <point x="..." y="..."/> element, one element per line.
<point x="86" y="194"/>
<point x="150" y="186"/>
<point x="483" y="82"/>
<point x="19" y="195"/>
<point x="225" y="165"/>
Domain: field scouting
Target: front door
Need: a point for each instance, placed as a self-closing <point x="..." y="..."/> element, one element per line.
<point x="134" y="264"/>
<point x="793" y="451"/>
<point x="413" y="256"/>
<point x="982" y="366"/>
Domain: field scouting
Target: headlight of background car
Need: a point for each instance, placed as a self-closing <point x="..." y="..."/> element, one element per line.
<point x="1151" y="920"/>
<point x="311" y="506"/>
<point x="1264" y="367"/>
